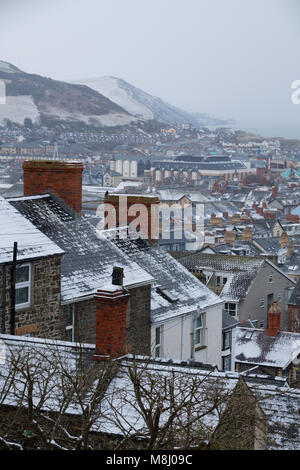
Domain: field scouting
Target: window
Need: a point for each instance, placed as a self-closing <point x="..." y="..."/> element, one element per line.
<point x="70" y="317"/>
<point x="200" y="330"/>
<point x="226" y="362"/>
<point x="23" y="281"/>
<point x="166" y="294"/>
<point x="262" y="302"/>
<point x="224" y="280"/>
<point x="231" y="309"/>
<point x="279" y="297"/>
<point x="271" y="278"/>
<point x="158" y="341"/>
<point x="218" y="281"/>
<point x="226" y="340"/>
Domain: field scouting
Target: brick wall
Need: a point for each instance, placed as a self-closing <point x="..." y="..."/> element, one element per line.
<point x="138" y="320"/>
<point x="61" y="178"/>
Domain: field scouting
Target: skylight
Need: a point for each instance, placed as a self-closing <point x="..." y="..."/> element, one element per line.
<point x="166" y="294"/>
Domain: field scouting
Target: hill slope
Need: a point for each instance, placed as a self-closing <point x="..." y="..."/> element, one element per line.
<point x="145" y="106"/>
<point x="43" y="99"/>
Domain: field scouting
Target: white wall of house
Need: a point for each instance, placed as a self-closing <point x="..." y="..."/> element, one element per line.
<point x="177" y="337"/>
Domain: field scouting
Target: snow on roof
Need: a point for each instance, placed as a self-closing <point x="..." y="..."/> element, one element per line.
<point x="254" y="346"/>
<point x="89" y="259"/>
<point x="168" y="274"/>
<point x="279" y="402"/>
<point x="32" y="243"/>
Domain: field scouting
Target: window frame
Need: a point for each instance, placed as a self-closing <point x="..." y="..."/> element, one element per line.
<point x="158" y="345"/>
<point x="226" y="358"/>
<point x="201" y="329"/>
<point x="71" y="327"/>
<point x="22" y="285"/>
<point x="226" y="334"/>
<point x="228" y="309"/>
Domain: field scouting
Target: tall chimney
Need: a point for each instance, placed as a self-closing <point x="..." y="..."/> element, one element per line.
<point x="62" y="178"/>
<point x="129" y="208"/>
<point x="284" y="240"/>
<point x="111" y="313"/>
<point x="274" y="316"/>
<point x="275" y="191"/>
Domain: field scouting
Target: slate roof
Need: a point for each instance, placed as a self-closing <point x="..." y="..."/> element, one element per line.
<point x="218" y="207"/>
<point x="292" y="265"/>
<point x="228" y="321"/>
<point x="240" y="271"/>
<point x="170" y="275"/>
<point x="205" y="165"/>
<point x="90" y="256"/>
<point x="295" y="297"/>
<point x="32" y="243"/>
<point x="263" y="226"/>
<point x="88" y="262"/>
<point x="258" y="348"/>
<point x="243" y="244"/>
<point x="258" y="195"/>
<point x="270" y="245"/>
<point x="233" y="264"/>
<point x="279" y="402"/>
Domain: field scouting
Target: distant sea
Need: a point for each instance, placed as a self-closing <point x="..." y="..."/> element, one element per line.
<point x="287" y="132"/>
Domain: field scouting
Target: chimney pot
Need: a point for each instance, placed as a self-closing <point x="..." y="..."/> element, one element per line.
<point x="117" y="276"/>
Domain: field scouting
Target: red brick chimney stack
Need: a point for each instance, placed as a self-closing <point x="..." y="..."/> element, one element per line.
<point x="111" y="313"/>
<point x="62" y="178"/>
<point x="131" y="207"/>
<point x="274" y="316"/>
<point x="275" y="191"/>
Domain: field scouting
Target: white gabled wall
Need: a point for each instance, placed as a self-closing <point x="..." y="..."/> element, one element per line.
<point x="177" y="337"/>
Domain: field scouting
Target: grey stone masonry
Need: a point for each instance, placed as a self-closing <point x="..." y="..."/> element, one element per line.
<point x="138" y="320"/>
<point x="41" y="318"/>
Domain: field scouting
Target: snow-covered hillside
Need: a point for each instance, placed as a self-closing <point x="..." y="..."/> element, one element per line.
<point x="44" y="100"/>
<point x="124" y="96"/>
<point x="143" y="105"/>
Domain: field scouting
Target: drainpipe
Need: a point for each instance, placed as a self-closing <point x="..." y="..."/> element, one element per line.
<point x="13" y="291"/>
<point x="182" y="337"/>
<point x="3" y="300"/>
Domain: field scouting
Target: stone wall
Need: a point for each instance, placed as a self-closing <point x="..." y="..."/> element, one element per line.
<point x="138" y="320"/>
<point x="42" y="318"/>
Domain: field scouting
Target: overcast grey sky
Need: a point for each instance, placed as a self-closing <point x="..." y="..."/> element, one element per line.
<point x="229" y="58"/>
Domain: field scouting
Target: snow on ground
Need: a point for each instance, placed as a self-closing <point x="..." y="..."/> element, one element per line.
<point x="110" y="119"/>
<point x="109" y="87"/>
<point x="17" y="108"/>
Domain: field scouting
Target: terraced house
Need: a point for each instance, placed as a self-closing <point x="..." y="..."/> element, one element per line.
<point x="169" y="314"/>
<point x="248" y="286"/>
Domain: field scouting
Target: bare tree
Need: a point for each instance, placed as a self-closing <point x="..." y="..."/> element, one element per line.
<point x="168" y="408"/>
<point x="59" y="397"/>
<point x="51" y="400"/>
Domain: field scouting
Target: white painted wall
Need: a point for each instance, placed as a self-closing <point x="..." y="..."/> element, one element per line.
<point x="133" y="168"/>
<point x="177" y="337"/>
<point x="126" y="168"/>
<point x="119" y="166"/>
